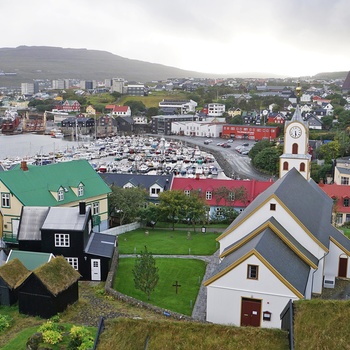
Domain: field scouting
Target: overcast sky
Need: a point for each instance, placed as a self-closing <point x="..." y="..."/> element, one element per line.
<point x="288" y="37"/>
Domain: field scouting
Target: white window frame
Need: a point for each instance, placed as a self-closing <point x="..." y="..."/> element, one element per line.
<point x="80" y="190"/>
<point x="95" y="208"/>
<point x="74" y="262"/>
<point x="253" y="275"/>
<point x="187" y="192"/>
<point x="62" y="240"/>
<point x="5" y="200"/>
<point x="60" y="195"/>
<point x="344" y="180"/>
<point x="208" y="195"/>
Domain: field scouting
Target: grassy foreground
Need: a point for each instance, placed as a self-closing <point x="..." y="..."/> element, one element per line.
<point x="128" y="334"/>
<point x="188" y="272"/>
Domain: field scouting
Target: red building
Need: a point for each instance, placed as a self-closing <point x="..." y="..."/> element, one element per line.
<point x="212" y="190"/>
<point x="250" y="132"/>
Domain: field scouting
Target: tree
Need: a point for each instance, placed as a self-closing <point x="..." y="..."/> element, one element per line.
<point x="195" y="208"/>
<point x="329" y="151"/>
<point x="145" y="273"/>
<point x="171" y="204"/>
<point x="268" y="160"/>
<point x="125" y="203"/>
<point x="152" y="111"/>
<point x="151" y="214"/>
<point x="136" y="106"/>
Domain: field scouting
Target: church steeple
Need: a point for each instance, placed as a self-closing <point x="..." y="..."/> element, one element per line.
<point x="296" y="144"/>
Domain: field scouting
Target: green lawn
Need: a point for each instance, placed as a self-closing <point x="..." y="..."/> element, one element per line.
<point x="188" y="272"/>
<point x="346" y="232"/>
<point x="168" y="242"/>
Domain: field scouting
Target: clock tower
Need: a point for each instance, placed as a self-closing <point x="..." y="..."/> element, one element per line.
<point x="296" y="145"/>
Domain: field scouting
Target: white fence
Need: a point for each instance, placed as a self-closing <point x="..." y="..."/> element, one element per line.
<point x="118" y="230"/>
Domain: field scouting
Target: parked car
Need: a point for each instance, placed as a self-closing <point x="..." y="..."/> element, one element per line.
<point x="206" y="142"/>
<point x="226" y="145"/>
<point x="219" y="144"/>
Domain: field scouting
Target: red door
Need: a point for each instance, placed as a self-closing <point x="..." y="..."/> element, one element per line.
<point x="251" y="311"/>
<point x="343" y="267"/>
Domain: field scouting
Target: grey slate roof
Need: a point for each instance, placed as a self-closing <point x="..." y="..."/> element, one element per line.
<point x="65" y="218"/>
<point x="308" y="203"/>
<point x="101" y="244"/>
<point x="344" y="171"/>
<point x="32" y="219"/>
<point x="138" y="180"/>
<point x="287" y="236"/>
<point x="286" y="262"/>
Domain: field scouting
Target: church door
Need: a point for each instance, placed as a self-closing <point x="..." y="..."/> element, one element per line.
<point x="250" y="312"/>
<point x="343" y="267"/>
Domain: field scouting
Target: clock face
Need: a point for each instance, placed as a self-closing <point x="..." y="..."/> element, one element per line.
<point x="295" y="132"/>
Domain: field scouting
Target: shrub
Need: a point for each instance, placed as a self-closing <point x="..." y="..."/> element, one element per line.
<point x="52" y="337"/>
<point x="5" y="322"/>
<point x="81" y="339"/>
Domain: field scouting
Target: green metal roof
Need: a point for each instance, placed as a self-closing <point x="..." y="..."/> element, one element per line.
<point x="31" y="260"/>
<point x="32" y="187"/>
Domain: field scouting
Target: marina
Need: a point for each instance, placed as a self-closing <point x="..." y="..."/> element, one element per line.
<point x="119" y="154"/>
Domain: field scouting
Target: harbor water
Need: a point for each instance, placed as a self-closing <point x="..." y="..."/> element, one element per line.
<point x="28" y="145"/>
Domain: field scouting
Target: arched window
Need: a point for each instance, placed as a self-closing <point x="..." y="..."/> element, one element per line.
<point x="302" y="167"/>
<point x="295" y="148"/>
<point x="285" y="166"/>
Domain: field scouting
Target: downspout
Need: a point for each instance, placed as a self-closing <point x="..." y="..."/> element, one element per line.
<point x="313" y="274"/>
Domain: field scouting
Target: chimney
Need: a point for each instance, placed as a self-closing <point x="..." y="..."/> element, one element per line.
<point x="24" y="166"/>
<point x="321" y="184"/>
<point x="82" y="208"/>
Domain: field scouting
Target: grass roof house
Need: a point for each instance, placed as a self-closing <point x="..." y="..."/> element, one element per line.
<point x="10" y="275"/>
<point x="49" y="289"/>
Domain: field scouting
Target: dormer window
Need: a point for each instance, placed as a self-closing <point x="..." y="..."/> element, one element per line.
<point x="187" y="192"/>
<point x="60" y="194"/>
<point x="208" y="195"/>
<point x="80" y="190"/>
<point x="346" y="202"/>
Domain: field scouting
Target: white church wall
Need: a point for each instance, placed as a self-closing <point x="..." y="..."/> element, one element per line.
<point x="226" y="293"/>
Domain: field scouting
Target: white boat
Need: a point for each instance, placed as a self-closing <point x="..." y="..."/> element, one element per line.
<point x="57" y="135"/>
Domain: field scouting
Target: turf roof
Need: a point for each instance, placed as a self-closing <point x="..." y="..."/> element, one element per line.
<point x="13" y="272"/>
<point x="57" y="275"/>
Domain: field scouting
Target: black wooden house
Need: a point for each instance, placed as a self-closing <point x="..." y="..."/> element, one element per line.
<point x="68" y="232"/>
<point x="49" y="289"/>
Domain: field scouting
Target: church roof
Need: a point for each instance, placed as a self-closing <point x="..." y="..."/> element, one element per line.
<point x="308" y="203"/>
<point x="286" y="265"/>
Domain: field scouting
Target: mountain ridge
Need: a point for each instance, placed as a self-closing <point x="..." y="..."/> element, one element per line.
<point x="46" y="62"/>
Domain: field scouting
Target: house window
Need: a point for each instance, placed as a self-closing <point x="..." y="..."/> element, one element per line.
<point x="295" y="148"/>
<point x="95" y="208"/>
<point x="347" y="218"/>
<point x="5" y="200"/>
<point x="285" y="166"/>
<point x="231" y="196"/>
<point x="346" y="202"/>
<point x="208" y="195"/>
<point x="80" y="190"/>
<point x="344" y="180"/>
<point x="73" y="262"/>
<point x="61" y="240"/>
<point x="155" y="191"/>
<point x="219" y="212"/>
<point x="302" y="167"/>
<point x="339" y="219"/>
<point x="272" y="206"/>
<point x="253" y="272"/>
<point x="187" y="192"/>
<point x="60" y="195"/>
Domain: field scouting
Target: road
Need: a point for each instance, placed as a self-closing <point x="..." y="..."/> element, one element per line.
<point x="232" y="163"/>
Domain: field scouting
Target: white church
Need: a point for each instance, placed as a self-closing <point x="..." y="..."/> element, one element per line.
<point x="282" y="247"/>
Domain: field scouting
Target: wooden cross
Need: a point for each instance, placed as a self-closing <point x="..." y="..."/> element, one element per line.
<point x="176" y="285"/>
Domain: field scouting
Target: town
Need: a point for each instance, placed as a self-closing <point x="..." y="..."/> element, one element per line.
<point x="282" y="237"/>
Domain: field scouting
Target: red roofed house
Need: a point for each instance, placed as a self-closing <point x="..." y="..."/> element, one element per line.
<point x="221" y="193"/>
<point x="341" y="198"/>
<point x="119" y="111"/>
